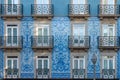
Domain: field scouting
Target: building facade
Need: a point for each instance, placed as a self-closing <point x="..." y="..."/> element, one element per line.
<point x="57" y="38"/>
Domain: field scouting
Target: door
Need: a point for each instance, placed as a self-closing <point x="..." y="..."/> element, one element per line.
<point x="12" y="7"/>
<point x="79" y="6"/>
<point x="43" y="6"/>
<point x="43" y="35"/>
<point x="79" y="34"/>
<point x="108" y="7"/>
<point x="12" y="35"/>
<point x="109" y="34"/>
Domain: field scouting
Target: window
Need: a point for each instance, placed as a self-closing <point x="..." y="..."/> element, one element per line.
<point x="12" y="67"/>
<point x="79" y="34"/>
<point x="11" y="35"/>
<point x="42" y="67"/>
<point x="108" y="31"/>
<point x="78" y="67"/>
<point x="108" y="68"/>
<point x="108" y="6"/>
<point x="43" y="37"/>
<point x="12" y="7"/>
<point x="43" y="6"/>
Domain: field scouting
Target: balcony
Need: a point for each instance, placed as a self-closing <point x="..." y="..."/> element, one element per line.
<point x="11" y="42"/>
<point x="42" y="11"/>
<point x="11" y="73"/>
<point x="79" y="42"/>
<point x="12" y="11"/>
<point x="79" y="11"/>
<point x="108" y="43"/>
<point x="108" y="73"/>
<point x="42" y="73"/>
<point x="42" y="42"/>
<point x="78" y="73"/>
<point x="108" y="11"/>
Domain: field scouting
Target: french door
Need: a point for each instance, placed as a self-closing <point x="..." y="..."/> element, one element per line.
<point x="12" y="35"/>
<point x="109" y="34"/>
<point x="43" y="35"/>
<point x="109" y="6"/>
<point x="42" y="6"/>
<point x="79" y="67"/>
<point x="79" y="6"/>
<point x="79" y="34"/>
<point x="12" y="7"/>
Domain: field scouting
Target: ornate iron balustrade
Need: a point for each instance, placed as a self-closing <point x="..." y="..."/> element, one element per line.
<point x="108" y="10"/>
<point x="11" y="73"/>
<point x="42" y="41"/>
<point x="11" y="42"/>
<point x="79" y="41"/>
<point x="79" y="9"/>
<point x="42" y="73"/>
<point x="12" y="9"/>
<point x="108" y="42"/>
<point x="42" y="9"/>
<point x="108" y="73"/>
<point x="78" y="73"/>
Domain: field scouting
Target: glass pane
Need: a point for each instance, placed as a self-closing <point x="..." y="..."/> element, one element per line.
<point x="14" y="35"/>
<point x="15" y="64"/>
<point x="111" y="64"/>
<point x="39" y="35"/>
<point x="105" y="64"/>
<point x="39" y="64"/>
<point x="45" y="64"/>
<point x="9" y="37"/>
<point x="105" y="30"/>
<point x="75" y="64"/>
<point x="45" y="1"/>
<point x="111" y="31"/>
<point x="9" y="1"/>
<point x="9" y="65"/>
<point x="45" y="35"/>
<point x="81" y="64"/>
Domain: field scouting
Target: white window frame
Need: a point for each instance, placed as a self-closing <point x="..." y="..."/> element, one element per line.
<point x="10" y="26"/>
<point x="78" y="59"/>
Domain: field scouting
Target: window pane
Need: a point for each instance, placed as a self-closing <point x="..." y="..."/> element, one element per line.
<point x="9" y="1"/>
<point x="111" y="64"/>
<point x="105" y="64"/>
<point x="9" y="38"/>
<point x="75" y="64"/>
<point x="81" y="64"/>
<point x="9" y="65"/>
<point x="45" y="64"/>
<point x="15" y="64"/>
<point x="40" y="64"/>
<point x="14" y="35"/>
<point x="45" y="35"/>
<point x="39" y="35"/>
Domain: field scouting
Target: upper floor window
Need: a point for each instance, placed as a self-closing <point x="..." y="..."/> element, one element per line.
<point x="12" y="67"/>
<point x="78" y="70"/>
<point x="108" y="1"/>
<point x="11" y="35"/>
<point x="78" y="1"/>
<point x="42" y="67"/>
<point x="42" y="1"/>
<point x="108" y="66"/>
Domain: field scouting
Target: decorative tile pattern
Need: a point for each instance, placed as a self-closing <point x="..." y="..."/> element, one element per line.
<point x="93" y="31"/>
<point x="61" y="53"/>
<point x="27" y="56"/>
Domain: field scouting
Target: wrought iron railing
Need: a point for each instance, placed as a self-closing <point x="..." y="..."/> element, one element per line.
<point x="12" y="73"/>
<point x="11" y="41"/>
<point x="78" y="73"/>
<point x="79" y="9"/>
<point x="106" y="9"/>
<point x="108" y="41"/>
<point x="42" y="9"/>
<point x="108" y="73"/>
<point x="42" y="73"/>
<point x="42" y="41"/>
<point x="79" y="41"/>
<point x="12" y="9"/>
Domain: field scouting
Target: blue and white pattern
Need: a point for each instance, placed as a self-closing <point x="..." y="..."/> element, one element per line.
<point x="61" y="53"/>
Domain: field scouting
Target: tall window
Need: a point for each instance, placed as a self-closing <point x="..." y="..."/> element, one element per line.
<point x="108" y="6"/>
<point x="11" y="35"/>
<point x="79" y="34"/>
<point x="12" y="67"/>
<point x="78" y="67"/>
<point x="43" y="35"/>
<point x="108" y="66"/>
<point x="108" y="31"/>
<point x="43" y="6"/>
<point x="79" y="6"/>
<point x="12" y="6"/>
<point x="42" y="67"/>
